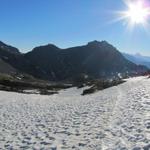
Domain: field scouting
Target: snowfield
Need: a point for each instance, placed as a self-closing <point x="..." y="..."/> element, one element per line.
<point x="117" y="118"/>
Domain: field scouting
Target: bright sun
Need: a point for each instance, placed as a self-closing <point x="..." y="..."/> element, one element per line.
<point x="138" y="12"/>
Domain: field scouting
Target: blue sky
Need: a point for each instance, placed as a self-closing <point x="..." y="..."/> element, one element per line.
<point x="29" y="23"/>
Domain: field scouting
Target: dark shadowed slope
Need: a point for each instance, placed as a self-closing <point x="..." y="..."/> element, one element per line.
<point x="6" y="68"/>
<point x="15" y="61"/>
<point x="9" y="48"/>
<point x="96" y="59"/>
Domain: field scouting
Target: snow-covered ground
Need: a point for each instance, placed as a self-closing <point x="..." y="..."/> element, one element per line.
<point x="117" y="118"/>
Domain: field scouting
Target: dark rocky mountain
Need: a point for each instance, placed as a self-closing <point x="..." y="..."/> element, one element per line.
<point x="9" y="48"/>
<point x="12" y="61"/>
<point x="46" y="59"/>
<point x="96" y="59"/>
<point x="6" y="68"/>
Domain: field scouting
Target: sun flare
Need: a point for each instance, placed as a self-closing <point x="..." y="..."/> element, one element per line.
<point x="137" y="12"/>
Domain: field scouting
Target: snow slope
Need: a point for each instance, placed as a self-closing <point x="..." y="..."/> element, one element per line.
<point x="117" y="118"/>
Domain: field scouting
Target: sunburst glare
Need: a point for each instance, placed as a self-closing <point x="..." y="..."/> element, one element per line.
<point x="137" y="13"/>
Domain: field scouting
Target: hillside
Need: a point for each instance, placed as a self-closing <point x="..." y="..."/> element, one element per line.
<point x="6" y="68"/>
<point x="14" y="62"/>
<point x="9" y="48"/>
<point x="96" y="60"/>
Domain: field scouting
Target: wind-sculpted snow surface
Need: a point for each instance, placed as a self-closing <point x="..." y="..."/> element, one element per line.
<point x="117" y="118"/>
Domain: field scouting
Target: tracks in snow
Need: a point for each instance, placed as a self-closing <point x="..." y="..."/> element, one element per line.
<point x="129" y="125"/>
<point x="117" y="118"/>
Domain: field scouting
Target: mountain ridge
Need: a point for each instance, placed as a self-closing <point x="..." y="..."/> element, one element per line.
<point x="49" y="62"/>
<point x="138" y="59"/>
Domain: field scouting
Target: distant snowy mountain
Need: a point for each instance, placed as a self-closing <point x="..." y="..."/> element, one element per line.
<point x="138" y="59"/>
